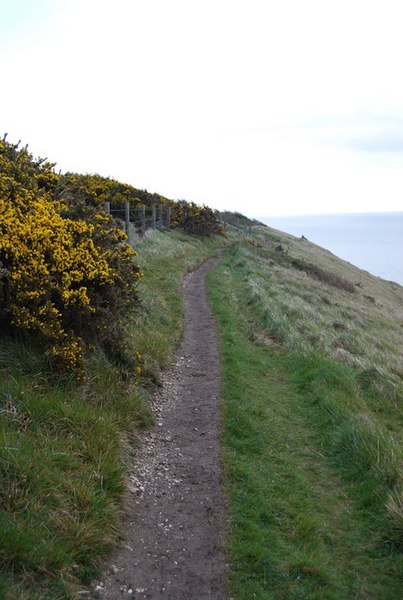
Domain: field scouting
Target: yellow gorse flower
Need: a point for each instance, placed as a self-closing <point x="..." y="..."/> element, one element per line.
<point x="56" y="270"/>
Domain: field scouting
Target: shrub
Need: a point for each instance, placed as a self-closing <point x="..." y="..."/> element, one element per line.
<point x="94" y="190"/>
<point x="194" y="219"/>
<point x="66" y="271"/>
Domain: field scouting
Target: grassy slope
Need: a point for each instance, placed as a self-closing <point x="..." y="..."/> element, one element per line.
<point x="61" y="469"/>
<point x="312" y="393"/>
<point x="312" y="396"/>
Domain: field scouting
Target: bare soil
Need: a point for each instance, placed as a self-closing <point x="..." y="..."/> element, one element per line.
<point x="175" y="527"/>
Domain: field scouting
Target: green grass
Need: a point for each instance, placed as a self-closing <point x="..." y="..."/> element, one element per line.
<point x="312" y="391"/>
<point x="308" y="315"/>
<point x="61" y="471"/>
<point x="165" y="259"/>
<point x="311" y="469"/>
<point x="64" y="446"/>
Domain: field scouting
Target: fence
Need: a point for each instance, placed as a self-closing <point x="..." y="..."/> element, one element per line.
<point x="142" y="218"/>
<point x="156" y="217"/>
<point x="246" y="229"/>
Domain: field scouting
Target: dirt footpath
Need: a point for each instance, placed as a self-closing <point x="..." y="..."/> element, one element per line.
<point x="175" y="524"/>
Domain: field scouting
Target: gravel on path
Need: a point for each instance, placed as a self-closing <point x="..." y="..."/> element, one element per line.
<point x="175" y="527"/>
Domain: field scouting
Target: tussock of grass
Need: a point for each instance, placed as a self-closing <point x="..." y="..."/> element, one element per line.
<point x="61" y="475"/>
<point x="357" y="443"/>
<point x="322" y="275"/>
<point x="394" y="507"/>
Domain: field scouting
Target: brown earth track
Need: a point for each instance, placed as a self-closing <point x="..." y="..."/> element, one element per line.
<point x="175" y="529"/>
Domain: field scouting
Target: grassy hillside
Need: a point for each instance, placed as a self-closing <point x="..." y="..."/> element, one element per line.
<point x="312" y="422"/>
<point x="312" y="392"/>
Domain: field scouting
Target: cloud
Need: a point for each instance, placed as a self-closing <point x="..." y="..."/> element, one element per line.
<point x="387" y="142"/>
<point x="257" y="105"/>
<point x="373" y="134"/>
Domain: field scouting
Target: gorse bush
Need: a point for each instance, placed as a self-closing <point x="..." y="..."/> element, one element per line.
<point x="66" y="270"/>
<point x="194" y="219"/>
<point x="94" y="190"/>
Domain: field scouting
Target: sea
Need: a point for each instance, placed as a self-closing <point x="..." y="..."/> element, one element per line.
<point x="371" y="241"/>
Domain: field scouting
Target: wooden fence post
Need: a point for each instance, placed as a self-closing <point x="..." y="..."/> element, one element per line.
<point x="127" y="220"/>
<point x="161" y="208"/>
<point x="154" y="216"/>
<point x="107" y="207"/>
<point x="143" y="219"/>
<point x="169" y="213"/>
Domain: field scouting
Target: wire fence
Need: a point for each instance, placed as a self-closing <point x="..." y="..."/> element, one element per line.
<point x="143" y="218"/>
<point x="245" y="229"/>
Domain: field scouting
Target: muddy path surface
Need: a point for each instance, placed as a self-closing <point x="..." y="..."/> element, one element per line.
<point x="175" y="524"/>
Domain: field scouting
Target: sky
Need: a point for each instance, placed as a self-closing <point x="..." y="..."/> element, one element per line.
<point x="267" y="107"/>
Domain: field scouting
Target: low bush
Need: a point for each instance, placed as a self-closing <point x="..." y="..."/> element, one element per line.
<point x="194" y="219"/>
<point x="66" y="270"/>
<point x="94" y="190"/>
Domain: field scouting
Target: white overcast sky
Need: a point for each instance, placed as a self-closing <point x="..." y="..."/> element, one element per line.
<point x="269" y="107"/>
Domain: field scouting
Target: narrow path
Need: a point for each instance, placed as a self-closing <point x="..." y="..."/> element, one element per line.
<point x="175" y="526"/>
